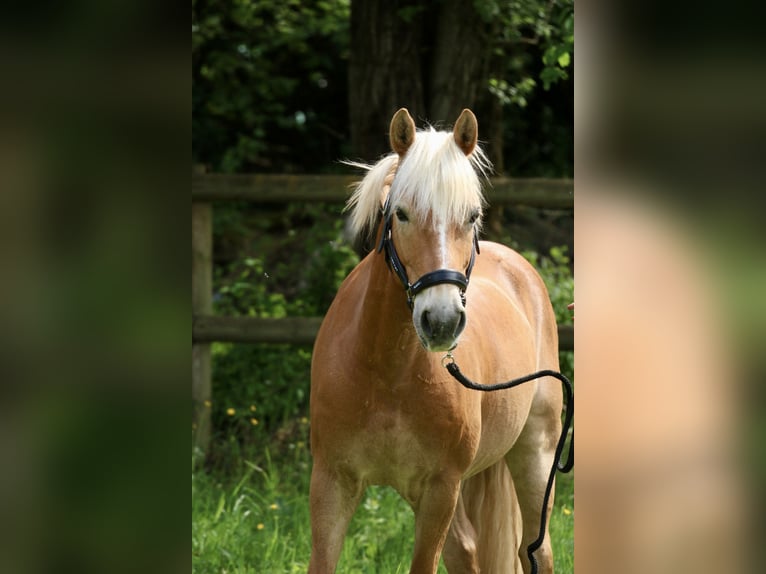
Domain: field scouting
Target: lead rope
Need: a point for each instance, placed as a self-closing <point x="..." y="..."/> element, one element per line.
<point x="454" y="370"/>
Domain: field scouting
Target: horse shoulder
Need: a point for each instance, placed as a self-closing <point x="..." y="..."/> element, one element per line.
<point x="516" y="276"/>
<point x="512" y="274"/>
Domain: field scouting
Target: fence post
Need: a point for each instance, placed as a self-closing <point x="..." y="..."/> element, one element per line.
<point x="202" y="304"/>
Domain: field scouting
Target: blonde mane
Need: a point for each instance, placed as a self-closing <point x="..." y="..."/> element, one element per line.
<point x="434" y="178"/>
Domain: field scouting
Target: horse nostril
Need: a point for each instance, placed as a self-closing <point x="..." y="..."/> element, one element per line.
<point x="425" y="324"/>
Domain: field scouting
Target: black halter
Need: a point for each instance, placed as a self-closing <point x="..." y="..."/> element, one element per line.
<point x="429" y="279"/>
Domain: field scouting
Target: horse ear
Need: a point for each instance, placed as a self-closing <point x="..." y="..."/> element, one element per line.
<point x="402" y="132"/>
<point x="466" y="131"/>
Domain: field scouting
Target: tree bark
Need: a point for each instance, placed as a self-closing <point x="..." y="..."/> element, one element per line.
<point x="432" y="58"/>
<point x="384" y="71"/>
<point x="459" y="64"/>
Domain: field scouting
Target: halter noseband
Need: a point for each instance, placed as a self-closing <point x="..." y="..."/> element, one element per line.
<point x="429" y="279"/>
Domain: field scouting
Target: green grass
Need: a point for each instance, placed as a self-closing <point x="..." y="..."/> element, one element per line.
<point x="255" y="519"/>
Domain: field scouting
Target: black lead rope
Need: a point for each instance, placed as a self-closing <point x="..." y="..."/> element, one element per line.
<point x="454" y="370"/>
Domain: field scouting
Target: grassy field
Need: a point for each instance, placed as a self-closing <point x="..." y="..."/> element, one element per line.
<point x="254" y="518"/>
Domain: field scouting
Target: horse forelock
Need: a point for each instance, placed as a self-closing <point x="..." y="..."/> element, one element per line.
<point x="437" y="180"/>
<point x="434" y="178"/>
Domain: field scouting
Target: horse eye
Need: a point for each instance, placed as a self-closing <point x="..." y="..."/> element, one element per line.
<point x="474" y="216"/>
<point x="400" y="215"/>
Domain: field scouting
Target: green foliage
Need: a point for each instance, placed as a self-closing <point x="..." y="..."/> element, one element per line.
<point x="559" y="45"/>
<point x="512" y="94"/>
<point x="245" y="291"/>
<point x="255" y="518"/>
<point x="306" y="259"/>
<point x="268" y="83"/>
<point x="256" y="388"/>
<point x="532" y="43"/>
<point x="527" y="32"/>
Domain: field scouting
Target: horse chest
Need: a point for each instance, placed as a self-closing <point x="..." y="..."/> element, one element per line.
<point x="401" y="440"/>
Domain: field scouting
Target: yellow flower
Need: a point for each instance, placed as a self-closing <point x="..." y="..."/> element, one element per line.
<point x="252" y="408"/>
<point x="253" y="422"/>
<point x="566" y="511"/>
<point x="230" y="412"/>
<point x="274" y="506"/>
<point x="304" y="421"/>
<point x="260" y="526"/>
<point x="208" y="404"/>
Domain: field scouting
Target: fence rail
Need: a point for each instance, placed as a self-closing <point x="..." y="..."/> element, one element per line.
<point x="295" y="330"/>
<point x="279" y="188"/>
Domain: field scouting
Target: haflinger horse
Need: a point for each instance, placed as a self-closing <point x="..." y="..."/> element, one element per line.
<point x="384" y="411"/>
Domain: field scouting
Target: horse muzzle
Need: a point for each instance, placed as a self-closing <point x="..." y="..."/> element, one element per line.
<point x="439" y="317"/>
<point x="437" y="299"/>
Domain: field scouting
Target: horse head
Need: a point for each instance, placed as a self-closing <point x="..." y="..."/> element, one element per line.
<point x="432" y="216"/>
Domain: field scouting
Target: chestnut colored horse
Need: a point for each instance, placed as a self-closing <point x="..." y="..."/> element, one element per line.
<point x="473" y="466"/>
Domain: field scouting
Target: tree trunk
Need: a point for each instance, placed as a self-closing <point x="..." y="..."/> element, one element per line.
<point x="433" y="58"/>
<point x="459" y="63"/>
<point x="384" y="71"/>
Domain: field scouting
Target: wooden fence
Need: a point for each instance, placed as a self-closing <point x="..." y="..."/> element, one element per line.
<point x="207" y="328"/>
<point x="267" y="188"/>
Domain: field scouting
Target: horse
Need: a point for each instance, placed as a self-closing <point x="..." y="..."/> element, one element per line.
<point x="384" y="411"/>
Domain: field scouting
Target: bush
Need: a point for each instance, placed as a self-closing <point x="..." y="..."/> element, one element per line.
<point x="257" y="388"/>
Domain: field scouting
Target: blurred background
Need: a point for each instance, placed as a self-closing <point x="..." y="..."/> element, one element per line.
<point x="669" y="140"/>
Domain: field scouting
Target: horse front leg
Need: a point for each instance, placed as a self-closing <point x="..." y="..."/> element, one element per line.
<point x="433" y="515"/>
<point x="333" y="497"/>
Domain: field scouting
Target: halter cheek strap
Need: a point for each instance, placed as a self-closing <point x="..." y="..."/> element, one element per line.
<point x="430" y="279"/>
